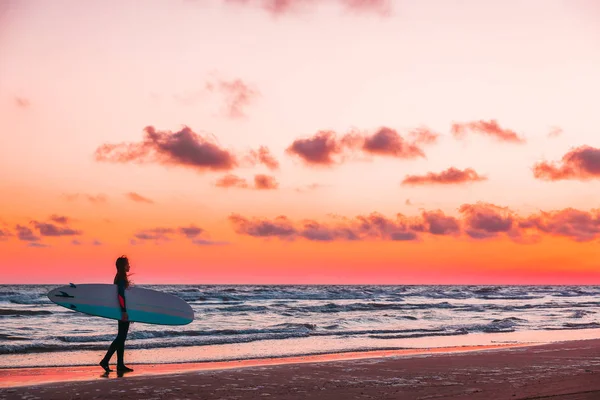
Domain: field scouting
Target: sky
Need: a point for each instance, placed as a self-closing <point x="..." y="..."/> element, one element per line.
<point x="300" y="141"/>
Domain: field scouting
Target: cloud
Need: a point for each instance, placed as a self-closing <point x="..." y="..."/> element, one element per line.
<point x="265" y="182"/>
<point x="206" y="242"/>
<point x="138" y="198"/>
<point x="4" y="234"/>
<point x="280" y="227"/>
<point x="48" y="229"/>
<point x="237" y="95"/>
<point x="439" y="224"/>
<point x="326" y="148"/>
<point x="489" y="128"/>
<point x="231" y="180"/>
<point x="190" y="231"/>
<point x="280" y="7"/>
<point x="37" y="245"/>
<point x="263" y="156"/>
<point x="196" y="235"/>
<point x="447" y="177"/>
<point x="75" y="242"/>
<point x="423" y="136"/>
<point x="388" y="142"/>
<point x="485" y="220"/>
<point x="580" y="226"/>
<point x="60" y="219"/>
<point x="373" y="226"/>
<point x="22" y="102"/>
<point x="318" y="149"/>
<point x="96" y="242"/>
<point x="183" y="148"/>
<point x="474" y="221"/>
<point x="97" y="199"/>
<point x="581" y="163"/>
<point x="157" y="234"/>
<point x="26" y="234"/>
<point x="555" y="132"/>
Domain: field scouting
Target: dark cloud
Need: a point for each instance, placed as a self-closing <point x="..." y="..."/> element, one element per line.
<point x="438" y="223"/>
<point x="190" y="231"/>
<point x="476" y="221"/>
<point x="388" y="142"/>
<point x="157" y="234"/>
<point x="326" y="148"/>
<point x="581" y="163"/>
<point x="26" y="234"/>
<point x="183" y="148"/>
<point x="138" y="198"/>
<point x="580" y="226"/>
<point x="195" y="234"/>
<point x="280" y="227"/>
<point x="75" y="242"/>
<point x="48" y="229"/>
<point x="450" y="176"/>
<point x="60" y="219"/>
<point x="318" y="149"/>
<point x="489" y="128"/>
<point x="484" y="220"/>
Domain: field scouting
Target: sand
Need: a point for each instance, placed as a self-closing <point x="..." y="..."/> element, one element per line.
<point x="558" y="371"/>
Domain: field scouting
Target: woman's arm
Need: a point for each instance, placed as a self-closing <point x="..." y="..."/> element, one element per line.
<point x="121" y="294"/>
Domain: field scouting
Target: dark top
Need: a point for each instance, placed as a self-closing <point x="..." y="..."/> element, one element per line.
<point x="121" y="294"/>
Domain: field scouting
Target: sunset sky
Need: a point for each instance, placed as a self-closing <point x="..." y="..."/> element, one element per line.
<point x="300" y="141"/>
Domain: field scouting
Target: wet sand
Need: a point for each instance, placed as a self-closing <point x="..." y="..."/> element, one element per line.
<point x="565" y="371"/>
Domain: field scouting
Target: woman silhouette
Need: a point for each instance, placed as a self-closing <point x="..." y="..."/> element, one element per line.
<point x="118" y="345"/>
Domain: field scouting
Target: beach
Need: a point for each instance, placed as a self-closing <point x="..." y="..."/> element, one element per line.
<point x="564" y="370"/>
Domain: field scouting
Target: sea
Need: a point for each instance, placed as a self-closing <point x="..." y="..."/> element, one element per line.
<point x="236" y="322"/>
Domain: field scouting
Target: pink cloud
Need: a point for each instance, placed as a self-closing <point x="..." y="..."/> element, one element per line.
<point x="581" y="163"/>
<point x="183" y="148"/>
<point x="263" y="156"/>
<point x="265" y="182"/>
<point x="138" y="198"/>
<point x="238" y="95"/>
<point x="451" y="176"/>
<point x="490" y="128"/>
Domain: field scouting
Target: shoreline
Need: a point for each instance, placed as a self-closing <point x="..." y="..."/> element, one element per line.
<point x="567" y="370"/>
<point x="29" y="376"/>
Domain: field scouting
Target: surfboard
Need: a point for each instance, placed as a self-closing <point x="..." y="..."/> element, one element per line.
<point x="143" y="305"/>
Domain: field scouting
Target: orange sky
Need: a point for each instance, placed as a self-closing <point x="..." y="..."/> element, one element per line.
<point x="330" y="141"/>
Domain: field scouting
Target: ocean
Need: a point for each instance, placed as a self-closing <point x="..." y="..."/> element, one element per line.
<point x="234" y="322"/>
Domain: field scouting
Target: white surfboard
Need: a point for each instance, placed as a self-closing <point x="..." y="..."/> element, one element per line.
<point x="143" y="305"/>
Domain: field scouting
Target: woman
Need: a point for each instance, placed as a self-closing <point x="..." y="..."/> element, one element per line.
<point x="118" y="345"/>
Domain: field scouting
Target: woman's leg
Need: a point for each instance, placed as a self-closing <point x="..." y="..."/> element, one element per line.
<point x="117" y="344"/>
<point x="123" y="329"/>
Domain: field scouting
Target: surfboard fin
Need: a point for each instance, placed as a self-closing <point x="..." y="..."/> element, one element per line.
<point x="72" y="285"/>
<point x="63" y="294"/>
<point x="72" y="306"/>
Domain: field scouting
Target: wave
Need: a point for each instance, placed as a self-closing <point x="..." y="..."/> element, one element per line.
<point x="22" y="313"/>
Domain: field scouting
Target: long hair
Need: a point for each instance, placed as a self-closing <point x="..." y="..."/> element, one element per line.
<point x="121" y="264"/>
